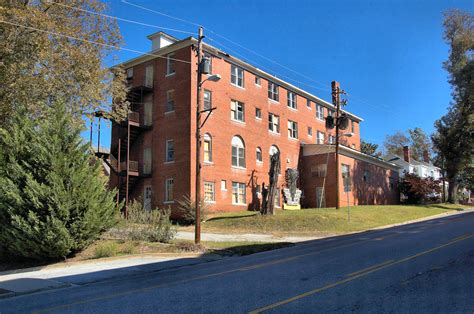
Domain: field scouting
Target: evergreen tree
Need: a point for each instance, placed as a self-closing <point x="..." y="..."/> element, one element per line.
<point x="53" y="200"/>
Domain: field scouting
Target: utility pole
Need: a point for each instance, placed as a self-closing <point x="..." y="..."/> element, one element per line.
<point x="197" y="223"/>
<point x="336" y="102"/>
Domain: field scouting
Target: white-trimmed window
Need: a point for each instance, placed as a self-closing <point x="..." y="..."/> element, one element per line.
<point x="320" y="112"/>
<point x="170" y="100"/>
<point x="258" y="113"/>
<point x="292" y="100"/>
<point x="237" y="110"/>
<point x="169" y="150"/>
<point x="259" y="155"/>
<point x="273" y="122"/>
<point x="236" y="76"/>
<point x="258" y="81"/>
<point x="308" y="103"/>
<point x="292" y="129"/>
<point x="223" y="185"/>
<point x="170" y="64"/>
<point x="273" y="91"/>
<point x="169" y="186"/>
<point x="310" y="131"/>
<point x="207" y="147"/>
<point x="209" y="192"/>
<point x="320" y="137"/>
<point x="345" y="170"/>
<point x="238" y="193"/>
<point x="207" y="99"/>
<point x="238" y="152"/>
<point x="332" y="139"/>
<point x="130" y="73"/>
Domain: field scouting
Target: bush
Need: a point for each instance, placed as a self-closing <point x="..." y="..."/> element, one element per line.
<point x="187" y="208"/>
<point x="419" y="190"/>
<point x="108" y="249"/>
<point x="53" y="199"/>
<point x="152" y="226"/>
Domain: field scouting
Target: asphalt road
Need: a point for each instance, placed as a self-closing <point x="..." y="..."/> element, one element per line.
<point x="426" y="267"/>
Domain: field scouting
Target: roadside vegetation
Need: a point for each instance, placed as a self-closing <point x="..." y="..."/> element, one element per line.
<point x="321" y="221"/>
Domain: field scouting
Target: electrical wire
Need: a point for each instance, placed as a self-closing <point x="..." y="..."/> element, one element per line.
<point x="124" y="20"/>
<point x="93" y="42"/>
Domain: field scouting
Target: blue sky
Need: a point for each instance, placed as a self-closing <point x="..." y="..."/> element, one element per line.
<point x="386" y="54"/>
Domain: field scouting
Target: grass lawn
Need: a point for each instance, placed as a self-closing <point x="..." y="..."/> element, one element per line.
<point x="321" y="221"/>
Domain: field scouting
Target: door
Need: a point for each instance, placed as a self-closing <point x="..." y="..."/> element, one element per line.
<point x="149" y="76"/>
<point x="320" y="197"/>
<point x="147" y="197"/>
<point x="147" y="113"/>
<point x="147" y="160"/>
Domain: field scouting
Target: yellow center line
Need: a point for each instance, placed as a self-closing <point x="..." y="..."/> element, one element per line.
<point x="370" y="268"/>
<point x="360" y="274"/>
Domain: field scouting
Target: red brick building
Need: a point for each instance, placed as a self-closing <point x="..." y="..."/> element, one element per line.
<point x="256" y="114"/>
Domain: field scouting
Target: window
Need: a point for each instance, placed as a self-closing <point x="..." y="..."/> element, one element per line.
<point x="272" y="151"/>
<point x="236" y="76"/>
<point x="209" y="192"/>
<point x="320" y="112"/>
<point x="170" y="101"/>
<point x="292" y="100"/>
<point x="345" y="171"/>
<point x="207" y="148"/>
<point x="237" y="110"/>
<point x="273" y="91"/>
<point x="366" y="176"/>
<point x="320" y="138"/>
<point x="391" y="183"/>
<point x="273" y="122"/>
<point x="259" y="155"/>
<point x="308" y="103"/>
<point x="238" y="193"/>
<point x="352" y="126"/>
<point x="238" y="152"/>
<point x="169" y="150"/>
<point x="209" y="57"/>
<point x="130" y="73"/>
<point x="207" y="99"/>
<point x="319" y="170"/>
<point x="258" y="113"/>
<point x="169" y="184"/>
<point x="310" y="131"/>
<point x="147" y="160"/>
<point x="170" y="63"/>
<point x="258" y="81"/>
<point x="332" y="139"/>
<point x="149" y="76"/>
<point x="223" y="185"/>
<point x="292" y="129"/>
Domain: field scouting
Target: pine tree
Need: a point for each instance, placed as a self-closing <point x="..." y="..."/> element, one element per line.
<point x="53" y="200"/>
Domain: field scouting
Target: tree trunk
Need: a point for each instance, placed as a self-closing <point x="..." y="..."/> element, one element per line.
<point x="452" y="191"/>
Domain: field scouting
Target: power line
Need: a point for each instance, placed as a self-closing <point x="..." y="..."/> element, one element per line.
<point x="94" y="42"/>
<point x="124" y="20"/>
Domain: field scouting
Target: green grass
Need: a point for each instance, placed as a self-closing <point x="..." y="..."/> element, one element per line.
<point x="321" y="221"/>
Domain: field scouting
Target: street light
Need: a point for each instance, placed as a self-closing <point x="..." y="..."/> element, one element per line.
<point x="212" y="78"/>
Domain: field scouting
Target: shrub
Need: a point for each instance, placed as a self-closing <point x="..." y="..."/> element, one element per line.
<point x="187" y="208"/>
<point x="108" y="249"/>
<point x="53" y="199"/>
<point x="419" y="190"/>
<point x="149" y="225"/>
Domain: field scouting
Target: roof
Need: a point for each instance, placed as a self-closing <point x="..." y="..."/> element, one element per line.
<point x="220" y="53"/>
<point x="412" y="161"/>
<point x="317" y="149"/>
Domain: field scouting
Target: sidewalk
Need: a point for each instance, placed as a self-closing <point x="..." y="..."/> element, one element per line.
<point x="65" y="274"/>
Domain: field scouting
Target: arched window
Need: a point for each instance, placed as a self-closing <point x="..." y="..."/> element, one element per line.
<point x="259" y="155"/>
<point x="207" y="148"/>
<point x="238" y="152"/>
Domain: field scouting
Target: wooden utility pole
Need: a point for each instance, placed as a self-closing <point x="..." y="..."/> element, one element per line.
<point x="336" y="102"/>
<point x="197" y="224"/>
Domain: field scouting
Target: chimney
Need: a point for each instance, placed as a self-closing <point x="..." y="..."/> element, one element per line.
<point x="426" y="156"/>
<point x="406" y="153"/>
<point x="160" y="40"/>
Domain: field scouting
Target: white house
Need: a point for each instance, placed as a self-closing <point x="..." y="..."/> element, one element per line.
<point x="423" y="169"/>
